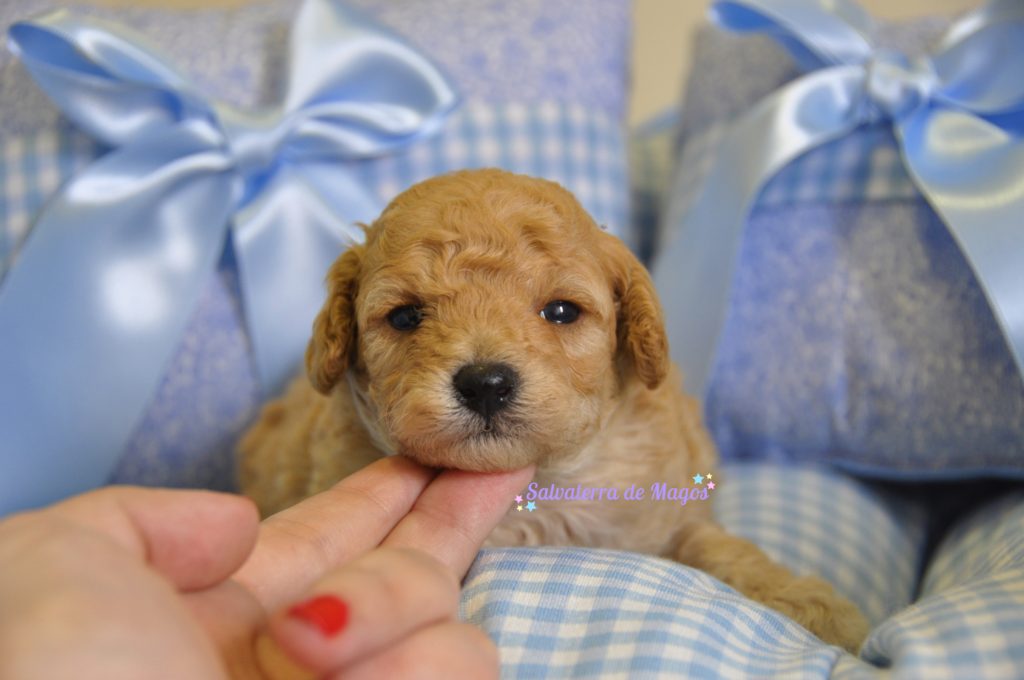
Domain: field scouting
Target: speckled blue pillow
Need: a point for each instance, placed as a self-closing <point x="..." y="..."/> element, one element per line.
<point x="856" y="333"/>
<point x="527" y="106"/>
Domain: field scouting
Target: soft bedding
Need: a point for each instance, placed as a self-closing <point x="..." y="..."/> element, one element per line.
<point x="524" y="106"/>
<point x="953" y="611"/>
<point x="577" y="613"/>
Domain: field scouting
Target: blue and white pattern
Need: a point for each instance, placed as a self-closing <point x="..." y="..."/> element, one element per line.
<point x="542" y="50"/>
<point x="526" y="52"/>
<point x="527" y="107"/>
<point x="865" y="166"/>
<point x="732" y="71"/>
<point x="575" y="613"/>
<point x="988" y="542"/>
<point x="969" y="618"/>
<point x="31" y="169"/>
<point x="568" y="143"/>
<point x="856" y="333"/>
<point x="868" y="544"/>
<point x="210" y="391"/>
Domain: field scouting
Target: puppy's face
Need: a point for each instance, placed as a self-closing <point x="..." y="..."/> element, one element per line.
<point x="487" y="323"/>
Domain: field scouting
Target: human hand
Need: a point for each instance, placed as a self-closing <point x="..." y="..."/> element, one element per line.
<point x="128" y="582"/>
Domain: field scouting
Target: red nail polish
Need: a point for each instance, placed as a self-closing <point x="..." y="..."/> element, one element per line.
<point x="329" y="614"/>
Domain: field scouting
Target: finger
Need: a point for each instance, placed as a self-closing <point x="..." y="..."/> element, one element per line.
<point x="298" y="546"/>
<point x="366" y="606"/>
<point x="193" y="538"/>
<point x="70" y="587"/>
<point x="451" y="519"/>
<point x="448" y="650"/>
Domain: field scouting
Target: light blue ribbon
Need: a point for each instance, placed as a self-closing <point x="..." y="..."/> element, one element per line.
<point x="957" y="114"/>
<point x="100" y="295"/>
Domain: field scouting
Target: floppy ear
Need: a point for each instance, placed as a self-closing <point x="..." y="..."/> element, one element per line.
<point x="334" y="331"/>
<point x="640" y="325"/>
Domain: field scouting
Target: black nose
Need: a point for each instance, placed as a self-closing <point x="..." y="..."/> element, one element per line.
<point x="485" y="388"/>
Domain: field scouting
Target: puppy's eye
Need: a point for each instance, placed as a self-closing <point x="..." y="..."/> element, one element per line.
<point x="560" y="311"/>
<point x="405" y="318"/>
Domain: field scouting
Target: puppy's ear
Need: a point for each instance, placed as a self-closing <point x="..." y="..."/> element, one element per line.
<point x="334" y="331"/>
<point x="640" y="324"/>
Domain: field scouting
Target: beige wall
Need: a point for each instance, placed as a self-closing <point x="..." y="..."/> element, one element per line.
<point x="661" y="51"/>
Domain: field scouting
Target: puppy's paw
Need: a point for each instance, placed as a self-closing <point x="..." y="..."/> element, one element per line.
<point x="815" y="605"/>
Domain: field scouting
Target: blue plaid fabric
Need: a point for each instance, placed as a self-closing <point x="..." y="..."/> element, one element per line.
<point x="526" y="107"/>
<point x="864" y="166"/>
<point x="579" y="147"/>
<point x="31" y="169"/>
<point x="209" y="395"/>
<point x="969" y="619"/>
<point x="868" y="544"/>
<point x="856" y="333"/>
<point x="568" y="143"/>
<point x="576" y="613"/>
<point x="732" y="72"/>
<point x="990" y="541"/>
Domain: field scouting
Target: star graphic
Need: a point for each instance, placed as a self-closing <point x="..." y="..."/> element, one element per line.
<point x="531" y="506"/>
<point x="698" y="478"/>
<point x="708" y="475"/>
<point x="519" y="508"/>
<point x="519" y="499"/>
<point x="711" y="485"/>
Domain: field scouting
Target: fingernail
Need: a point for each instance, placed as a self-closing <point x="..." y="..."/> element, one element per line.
<point x="327" y="613"/>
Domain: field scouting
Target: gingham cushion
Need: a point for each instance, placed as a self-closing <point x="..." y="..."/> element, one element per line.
<point x="527" y="107"/>
<point x="856" y="332"/>
<point x="861" y="167"/>
<point x="990" y="541"/>
<point x="733" y="72"/>
<point x="575" y="613"/>
<point x="563" y="141"/>
<point x="969" y="619"/>
<point x="868" y="543"/>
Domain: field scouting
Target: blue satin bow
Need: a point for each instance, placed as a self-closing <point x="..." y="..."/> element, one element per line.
<point x="958" y="115"/>
<point x="101" y="293"/>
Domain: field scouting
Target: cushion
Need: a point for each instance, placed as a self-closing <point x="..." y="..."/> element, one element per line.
<point x="856" y="333"/>
<point x="526" y="106"/>
<point x="577" y="613"/>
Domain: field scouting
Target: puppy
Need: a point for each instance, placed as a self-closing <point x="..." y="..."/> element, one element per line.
<point x="487" y="323"/>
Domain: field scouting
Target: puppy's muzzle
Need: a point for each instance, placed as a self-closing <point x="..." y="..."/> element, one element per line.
<point x="486" y="388"/>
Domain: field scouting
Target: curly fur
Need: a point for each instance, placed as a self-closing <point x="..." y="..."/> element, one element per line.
<point x="599" y="403"/>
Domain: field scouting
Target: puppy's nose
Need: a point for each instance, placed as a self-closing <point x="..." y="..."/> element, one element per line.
<point x="485" y="388"/>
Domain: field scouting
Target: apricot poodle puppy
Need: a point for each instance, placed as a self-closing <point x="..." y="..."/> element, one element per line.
<point x="487" y="323"/>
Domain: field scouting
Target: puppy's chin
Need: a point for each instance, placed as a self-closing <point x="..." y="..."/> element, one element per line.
<point x="490" y="451"/>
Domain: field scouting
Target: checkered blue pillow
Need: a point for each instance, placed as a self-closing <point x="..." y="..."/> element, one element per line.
<point x="576" y="613"/>
<point x="528" y="107"/>
<point x="856" y="333"/>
